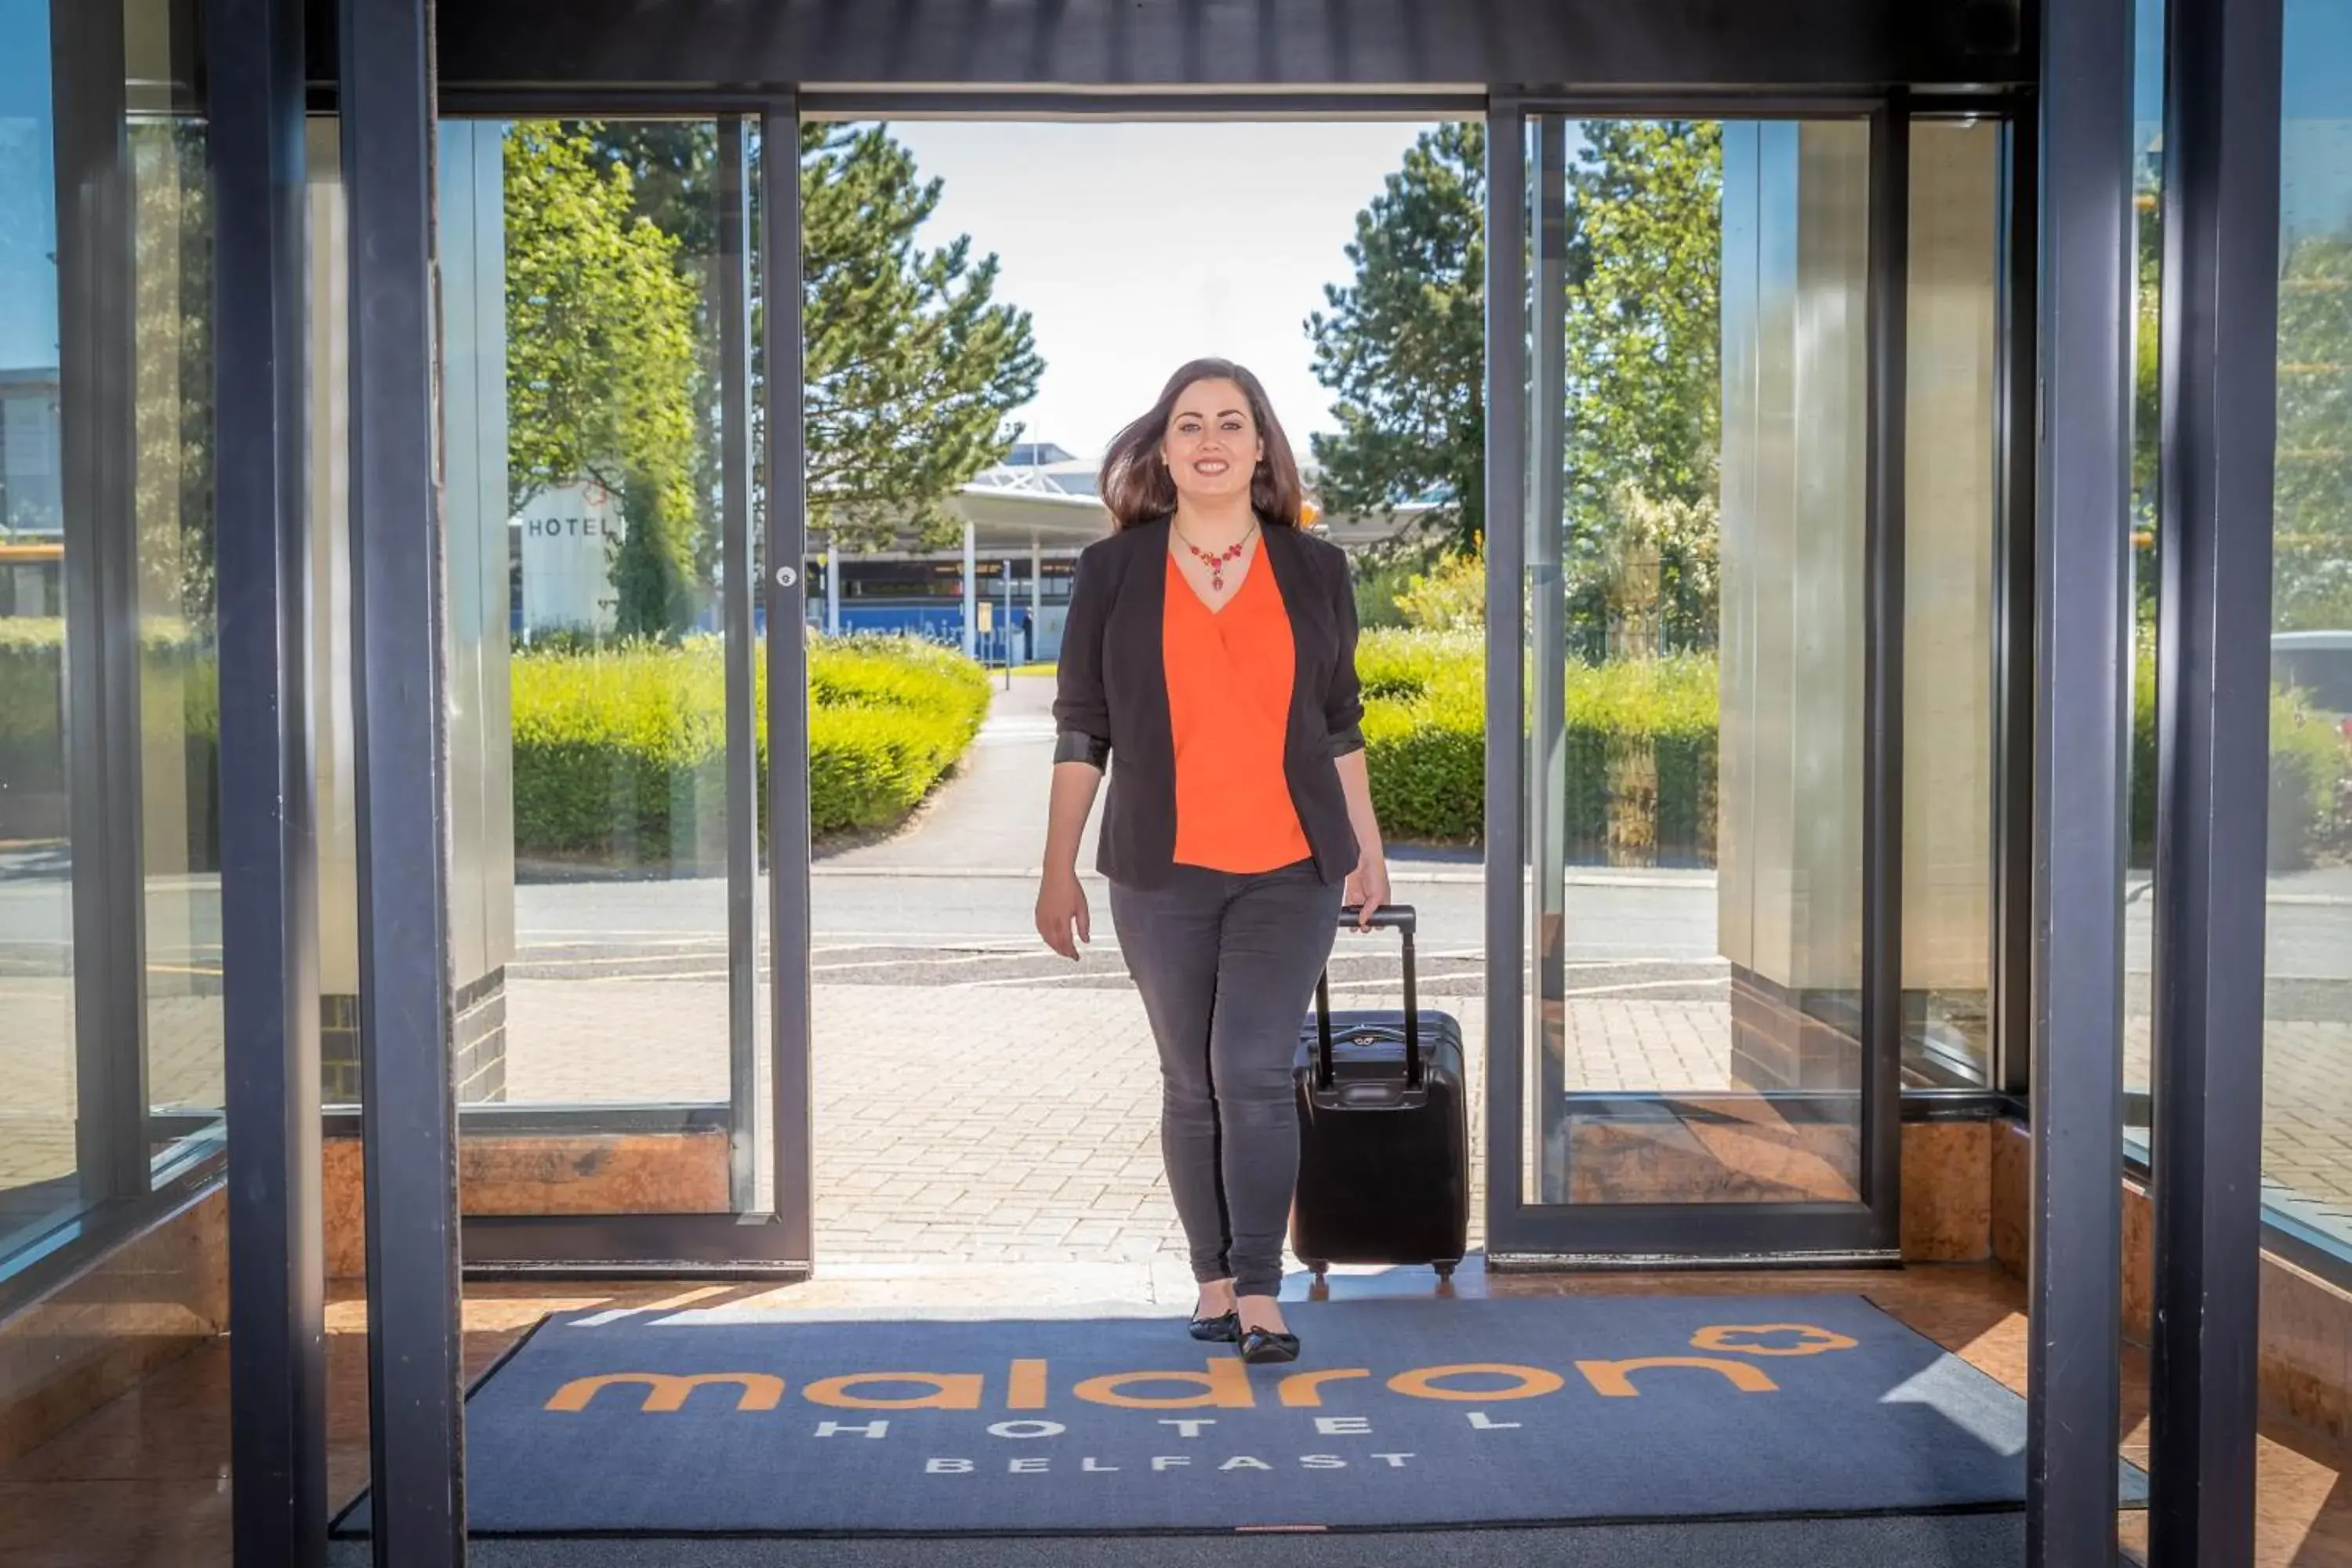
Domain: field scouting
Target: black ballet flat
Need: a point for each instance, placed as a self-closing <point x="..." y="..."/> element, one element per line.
<point x="1264" y="1345"/>
<point x="1224" y="1329"/>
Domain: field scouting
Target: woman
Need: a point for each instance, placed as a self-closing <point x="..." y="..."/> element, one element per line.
<point x="1211" y="648"/>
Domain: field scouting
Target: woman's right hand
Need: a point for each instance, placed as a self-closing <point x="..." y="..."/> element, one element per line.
<point x="1062" y="909"/>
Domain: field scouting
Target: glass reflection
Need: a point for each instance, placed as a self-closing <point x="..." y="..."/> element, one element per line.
<point x="2139" y="878"/>
<point x="173" y="504"/>
<point x="38" y="1079"/>
<point x="1698" y="603"/>
<point x="1949" y="515"/>
<point x="2307" y="1029"/>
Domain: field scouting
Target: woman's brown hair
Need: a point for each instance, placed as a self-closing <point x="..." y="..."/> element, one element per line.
<point x="1135" y="486"/>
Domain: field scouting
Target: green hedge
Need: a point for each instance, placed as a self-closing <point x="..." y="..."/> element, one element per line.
<point x="1640" y="764"/>
<point x="2310" y="779"/>
<point x="619" y="754"/>
<point x="888" y="717"/>
<point x="1425" y="733"/>
<point x="1639" y="743"/>
<point x="179" y="717"/>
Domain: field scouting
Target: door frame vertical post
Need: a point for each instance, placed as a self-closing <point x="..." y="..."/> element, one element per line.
<point x="732" y="286"/>
<point x="97" y="369"/>
<point x="2220" y="370"/>
<point x="786" y="588"/>
<point x="408" y="1097"/>
<point x="2009" y="1068"/>
<point x="1882" y="667"/>
<point x="269" y="853"/>
<point x="1546" y="594"/>
<point x="1507" y="425"/>
<point x="2081" y="730"/>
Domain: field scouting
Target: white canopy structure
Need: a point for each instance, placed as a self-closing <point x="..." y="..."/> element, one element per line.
<point x="1041" y="502"/>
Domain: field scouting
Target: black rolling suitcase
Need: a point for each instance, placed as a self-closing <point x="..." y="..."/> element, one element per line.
<point x="1383" y="1132"/>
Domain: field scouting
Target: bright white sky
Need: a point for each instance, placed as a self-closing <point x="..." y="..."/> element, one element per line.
<point x="1135" y="248"/>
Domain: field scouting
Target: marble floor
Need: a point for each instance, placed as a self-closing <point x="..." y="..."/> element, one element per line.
<point x="144" y="1481"/>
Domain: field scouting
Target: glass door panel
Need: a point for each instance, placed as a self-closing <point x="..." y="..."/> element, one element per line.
<point x="600" y="675"/>
<point x="1699" y="578"/>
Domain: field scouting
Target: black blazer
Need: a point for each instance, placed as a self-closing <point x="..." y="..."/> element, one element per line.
<point x="1112" y="700"/>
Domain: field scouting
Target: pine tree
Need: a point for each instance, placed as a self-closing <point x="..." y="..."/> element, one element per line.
<point x="911" y="367"/>
<point x="1403" y="346"/>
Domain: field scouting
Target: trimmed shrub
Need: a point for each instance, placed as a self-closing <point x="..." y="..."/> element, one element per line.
<point x="620" y="754"/>
<point x="2310" y="760"/>
<point x="1639" y="764"/>
<point x="2310" y="778"/>
<point x="2143" y="756"/>
<point x="1640" y="774"/>
<point x="180" y="713"/>
<point x="32" y="705"/>
<point x="1425" y="733"/>
<point x="887" y="717"/>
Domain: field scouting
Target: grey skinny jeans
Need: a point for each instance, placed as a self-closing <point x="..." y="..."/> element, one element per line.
<point x="1226" y="965"/>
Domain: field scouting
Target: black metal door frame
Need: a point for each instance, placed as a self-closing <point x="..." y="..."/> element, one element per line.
<point x="1315" y="59"/>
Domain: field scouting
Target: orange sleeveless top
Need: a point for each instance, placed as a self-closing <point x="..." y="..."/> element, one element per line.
<point x="1229" y="678"/>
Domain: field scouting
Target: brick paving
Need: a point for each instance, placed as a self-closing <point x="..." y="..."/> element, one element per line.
<point x="978" y="1119"/>
<point x="967" y="1121"/>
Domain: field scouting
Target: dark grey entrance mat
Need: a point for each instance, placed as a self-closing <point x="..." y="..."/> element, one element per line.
<point x="1402" y="1412"/>
<point x="1943" y="1540"/>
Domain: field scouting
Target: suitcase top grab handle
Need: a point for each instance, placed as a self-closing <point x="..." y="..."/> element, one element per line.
<point x="1398" y="917"/>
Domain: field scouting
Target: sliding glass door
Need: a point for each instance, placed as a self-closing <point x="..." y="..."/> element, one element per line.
<point x="613" y="1044"/>
<point x="1711" y="1042"/>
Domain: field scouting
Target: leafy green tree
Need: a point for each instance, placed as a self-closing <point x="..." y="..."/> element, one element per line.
<point x="1403" y="346"/>
<point x="673" y="168"/>
<point x="912" y="368"/>
<point x="653" y="568"/>
<point x="1644" y="381"/>
<point x="601" y="360"/>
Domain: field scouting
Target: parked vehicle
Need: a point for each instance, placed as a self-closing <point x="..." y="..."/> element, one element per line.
<point x="2318" y="666"/>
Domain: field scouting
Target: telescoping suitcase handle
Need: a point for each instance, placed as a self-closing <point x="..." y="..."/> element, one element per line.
<point x="1398" y="917"/>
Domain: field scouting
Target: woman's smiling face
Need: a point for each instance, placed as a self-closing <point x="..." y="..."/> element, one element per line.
<point x="1211" y="447"/>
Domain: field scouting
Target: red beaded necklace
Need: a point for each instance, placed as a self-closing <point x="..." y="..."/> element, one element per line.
<point x="1217" y="561"/>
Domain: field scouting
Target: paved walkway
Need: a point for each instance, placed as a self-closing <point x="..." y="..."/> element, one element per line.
<point x="978" y="1098"/>
<point x="992" y="813"/>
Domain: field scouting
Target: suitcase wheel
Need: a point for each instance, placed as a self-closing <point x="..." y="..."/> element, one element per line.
<point x="1445" y="1270"/>
<point x="1317" y="1266"/>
